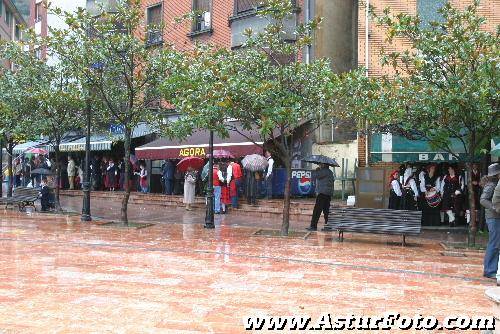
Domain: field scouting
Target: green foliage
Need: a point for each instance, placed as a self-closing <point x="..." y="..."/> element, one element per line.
<point x="263" y="86"/>
<point x="445" y="86"/>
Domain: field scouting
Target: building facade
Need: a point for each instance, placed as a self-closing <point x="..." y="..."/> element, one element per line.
<point x="11" y="23"/>
<point x="387" y="150"/>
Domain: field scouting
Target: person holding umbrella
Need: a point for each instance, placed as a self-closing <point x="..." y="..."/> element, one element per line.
<point x="324" y="189"/>
<point x="324" y="180"/>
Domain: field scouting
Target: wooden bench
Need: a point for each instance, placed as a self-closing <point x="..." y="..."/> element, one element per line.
<point x="378" y="221"/>
<point x="22" y="197"/>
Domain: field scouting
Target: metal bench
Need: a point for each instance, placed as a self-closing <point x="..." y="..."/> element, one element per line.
<point x="22" y="197"/>
<point x="377" y="221"/>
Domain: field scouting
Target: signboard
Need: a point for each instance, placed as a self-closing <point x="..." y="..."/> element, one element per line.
<point x="192" y="152"/>
<point x="391" y="148"/>
<point x="302" y="184"/>
<point x="117" y="129"/>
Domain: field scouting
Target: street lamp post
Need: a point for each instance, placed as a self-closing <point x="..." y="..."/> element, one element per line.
<point x="86" y="217"/>
<point x="209" y="215"/>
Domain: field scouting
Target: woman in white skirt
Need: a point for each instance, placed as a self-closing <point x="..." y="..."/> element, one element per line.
<point x="189" y="187"/>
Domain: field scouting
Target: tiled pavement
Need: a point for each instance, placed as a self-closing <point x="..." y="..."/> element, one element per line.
<point x="61" y="276"/>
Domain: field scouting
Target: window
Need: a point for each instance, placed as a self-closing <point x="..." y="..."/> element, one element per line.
<point x="1" y="8"/>
<point x="38" y="12"/>
<point x="154" y="20"/>
<point x="245" y="6"/>
<point x="203" y="20"/>
<point x="8" y="16"/>
<point x="428" y="11"/>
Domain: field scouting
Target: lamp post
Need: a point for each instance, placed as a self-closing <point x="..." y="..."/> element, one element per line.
<point x="86" y="217"/>
<point x="209" y="215"/>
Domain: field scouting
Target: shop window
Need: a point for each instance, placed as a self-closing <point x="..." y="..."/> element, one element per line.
<point x="154" y="22"/>
<point x="203" y="19"/>
<point x="428" y="11"/>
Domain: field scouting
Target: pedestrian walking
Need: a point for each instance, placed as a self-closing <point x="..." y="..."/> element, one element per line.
<point x="324" y="180"/>
<point x="190" y="187"/>
<point x="71" y="169"/>
<point x="491" y="257"/>
<point x="269" y="175"/>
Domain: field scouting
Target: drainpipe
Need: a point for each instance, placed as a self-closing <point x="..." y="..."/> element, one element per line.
<point x="367" y="66"/>
<point x="307" y="18"/>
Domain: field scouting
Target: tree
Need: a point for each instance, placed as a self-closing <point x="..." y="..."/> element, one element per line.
<point x="445" y="86"/>
<point x="111" y="57"/>
<point x="264" y="86"/>
<point x="53" y="93"/>
<point x="15" y="111"/>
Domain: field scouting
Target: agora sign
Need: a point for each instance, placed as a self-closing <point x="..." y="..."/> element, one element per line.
<point x="192" y="152"/>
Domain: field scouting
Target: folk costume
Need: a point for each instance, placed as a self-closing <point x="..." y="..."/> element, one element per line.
<point x="410" y="190"/>
<point x="452" y="189"/>
<point x="189" y="188"/>
<point x="111" y="176"/>
<point x="396" y="192"/>
<point x="430" y="186"/>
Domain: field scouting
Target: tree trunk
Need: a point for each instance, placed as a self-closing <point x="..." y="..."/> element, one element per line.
<point x="10" y="172"/>
<point x="126" y="196"/>
<point x="286" y="201"/>
<point x="57" y="202"/>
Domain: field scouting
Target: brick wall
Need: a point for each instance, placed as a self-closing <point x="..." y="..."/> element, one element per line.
<point x="177" y="33"/>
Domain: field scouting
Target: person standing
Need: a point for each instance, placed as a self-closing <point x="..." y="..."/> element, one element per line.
<point x="324" y="190"/>
<point x="493" y="222"/>
<point x="251" y="187"/>
<point x="234" y="177"/>
<point x="395" y="194"/>
<point x="71" y="169"/>
<point x="168" y="171"/>
<point x="451" y="189"/>
<point x="111" y="175"/>
<point x="269" y="175"/>
<point x="410" y="190"/>
<point x="218" y="180"/>
<point x="44" y="195"/>
<point x="430" y="183"/>
<point x="189" y="187"/>
<point x="476" y="189"/>
<point x="143" y="178"/>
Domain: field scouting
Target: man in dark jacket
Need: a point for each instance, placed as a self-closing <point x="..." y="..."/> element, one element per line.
<point x="324" y="190"/>
<point x="493" y="222"/>
<point x="168" y="171"/>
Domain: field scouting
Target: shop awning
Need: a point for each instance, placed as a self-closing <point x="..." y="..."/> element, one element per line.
<point x="197" y="146"/>
<point x="97" y="143"/>
<point x="21" y="148"/>
<point x="391" y="148"/>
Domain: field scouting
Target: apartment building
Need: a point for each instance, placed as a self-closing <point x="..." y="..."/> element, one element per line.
<point x="11" y="21"/>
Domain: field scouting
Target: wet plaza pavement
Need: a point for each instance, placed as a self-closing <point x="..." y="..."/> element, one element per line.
<point x="62" y="276"/>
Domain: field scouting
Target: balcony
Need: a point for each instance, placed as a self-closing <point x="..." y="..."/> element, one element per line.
<point x="154" y="37"/>
<point x="202" y="24"/>
<point x="244" y="16"/>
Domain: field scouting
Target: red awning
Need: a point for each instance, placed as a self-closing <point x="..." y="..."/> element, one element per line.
<point x="197" y="146"/>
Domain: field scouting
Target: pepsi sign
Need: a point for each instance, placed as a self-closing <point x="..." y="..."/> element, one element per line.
<point x="304" y="182"/>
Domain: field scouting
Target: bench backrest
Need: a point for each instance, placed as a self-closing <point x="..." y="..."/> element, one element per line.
<point x="26" y="192"/>
<point x="375" y="220"/>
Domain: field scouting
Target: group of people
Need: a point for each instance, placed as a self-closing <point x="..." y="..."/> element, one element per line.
<point x="439" y="191"/>
<point x="22" y="170"/>
<point x="230" y="181"/>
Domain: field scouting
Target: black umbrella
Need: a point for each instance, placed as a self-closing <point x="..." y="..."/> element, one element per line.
<point x="321" y="159"/>
<point x="42" y="171"/>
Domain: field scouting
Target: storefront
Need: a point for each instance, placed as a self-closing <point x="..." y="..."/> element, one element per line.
<point x="388" y="152"/>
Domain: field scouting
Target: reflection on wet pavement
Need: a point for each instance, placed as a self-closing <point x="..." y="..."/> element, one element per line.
<point x="60" y="275"/>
